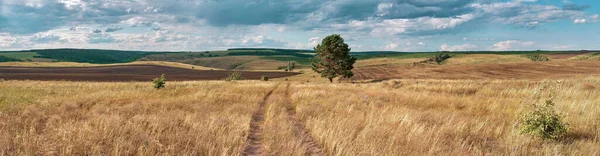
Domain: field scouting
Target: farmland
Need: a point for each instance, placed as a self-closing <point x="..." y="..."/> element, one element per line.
<point x="469" y="104"/>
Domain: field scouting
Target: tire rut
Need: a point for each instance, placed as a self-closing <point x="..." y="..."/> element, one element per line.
<point x="253" y="145"/>
<point x="299" y="129"/>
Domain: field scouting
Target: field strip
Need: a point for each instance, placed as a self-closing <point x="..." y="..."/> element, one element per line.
<point x="253" y="145"/>
<point x="299" y="128"/>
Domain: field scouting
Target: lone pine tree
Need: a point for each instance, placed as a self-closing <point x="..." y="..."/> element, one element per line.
<point x="333" y="58"/>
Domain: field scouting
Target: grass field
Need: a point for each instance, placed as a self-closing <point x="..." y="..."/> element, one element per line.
<point x="398" y="117"/>
<point x="468" y="105"/>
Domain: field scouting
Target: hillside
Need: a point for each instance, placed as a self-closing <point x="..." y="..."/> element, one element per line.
<point x="274" y="59"/>
<point x="74" y="55"/>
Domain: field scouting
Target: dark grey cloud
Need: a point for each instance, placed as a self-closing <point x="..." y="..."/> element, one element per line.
<point x="254" y="12"/>
<point x="23" y="19"/>
<point x="576" y="7"/>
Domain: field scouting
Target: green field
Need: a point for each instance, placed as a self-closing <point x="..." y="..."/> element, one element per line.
<point x="20" y="55"/>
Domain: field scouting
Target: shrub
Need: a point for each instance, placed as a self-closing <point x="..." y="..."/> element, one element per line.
<point x="542" y="121"/>
<point x="264" y="78"/>
<point x="538" y="57"/>
<point x="234" y="76"/>
<point x="282" y="68"/>
<point x="159" y="82"/>
<point x="440" y="57"/>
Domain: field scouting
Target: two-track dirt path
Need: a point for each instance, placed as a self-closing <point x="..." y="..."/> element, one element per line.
<point x="299" y="129"/>
<point x="254" y="143"/>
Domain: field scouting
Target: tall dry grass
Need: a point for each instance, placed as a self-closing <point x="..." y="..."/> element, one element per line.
<point x="80" y="118"/>
<point x="445" y="117"/>
<point x="398" y="117"/>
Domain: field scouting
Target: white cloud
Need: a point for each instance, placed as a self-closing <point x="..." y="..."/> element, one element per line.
<point x="391" y="46"/>
<point x="513" y="45"/>
<point x="462" y="47"/>
<point x="580" y="21"/>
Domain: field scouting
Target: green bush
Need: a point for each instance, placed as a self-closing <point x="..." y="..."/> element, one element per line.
<point x="538" y="57"/>
<point x="264" y="78"/>
<point x="159" y="82"/>
<point x="234" y="76"/>
<point x="440" y="57"/>
<point x="542" y="121"/>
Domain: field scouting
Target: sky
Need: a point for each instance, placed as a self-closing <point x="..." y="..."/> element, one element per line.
<point x="366" y="25"/>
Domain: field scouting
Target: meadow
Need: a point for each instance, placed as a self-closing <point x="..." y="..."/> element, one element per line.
<point x="396" y="117"/>
<point x="468" y="105"/>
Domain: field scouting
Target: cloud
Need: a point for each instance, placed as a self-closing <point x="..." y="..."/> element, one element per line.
<point x="526" y="15"/>
<point x="513" y="44"/>
<point x="575" y="7"/>
<point x="462" y="47"/>
<point x="113" y="29"/>
<point x="590" y="19"/>
<point x="391" y="46"/>
<point x="223" y="23"/>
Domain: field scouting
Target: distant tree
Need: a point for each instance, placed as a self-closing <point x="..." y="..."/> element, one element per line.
<point x="333" y="58"/>
<point x="291" y="66"/>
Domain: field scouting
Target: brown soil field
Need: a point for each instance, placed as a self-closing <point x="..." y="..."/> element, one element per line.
<point x="566" y="55"/>
<point x="523" y="70"/>
<point x="125" y="73"/>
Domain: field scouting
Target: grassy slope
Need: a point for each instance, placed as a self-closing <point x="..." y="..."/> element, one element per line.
<point x="20" y="55"/>
<point x="78" y="55"/>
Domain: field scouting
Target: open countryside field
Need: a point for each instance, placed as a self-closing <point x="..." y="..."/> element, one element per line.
<point x="398" y="117"/>
<point x="470" y="104"/>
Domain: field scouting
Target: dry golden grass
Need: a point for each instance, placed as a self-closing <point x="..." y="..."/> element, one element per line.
<point x="84" y="118"/>
<point x="387" y="61"/>
<point x="444" y="117"/>
<point x="485" y="59"/>
<point x="396" y="117"/>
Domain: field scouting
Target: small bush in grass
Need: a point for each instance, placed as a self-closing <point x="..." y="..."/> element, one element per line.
<point x="159" y="82"/>
<point x="264" y="78"/>
<point x="234" y="76"/>
<point x="538" y="57"/>
<point x="542" y="121"/>
<point x="440" y="57"/>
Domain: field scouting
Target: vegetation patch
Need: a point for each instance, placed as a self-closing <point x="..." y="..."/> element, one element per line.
<point x="19" y="55"/>
<point x="544" y="122"/>
<point x="234" y="76"/>
<point x="538" y="57"/>
<point x="89" y="55"/>
<point x="159" y="82"/>
<point x="8" y="59"/>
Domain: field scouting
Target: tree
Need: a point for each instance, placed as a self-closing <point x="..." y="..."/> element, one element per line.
<point x="333" y="58"/>
<point x="291" y="66"/>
